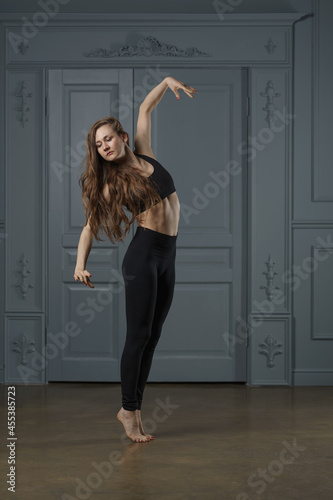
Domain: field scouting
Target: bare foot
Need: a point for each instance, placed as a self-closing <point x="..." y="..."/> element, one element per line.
<point x="130" y="421"/>
<point x="141" y="426"/>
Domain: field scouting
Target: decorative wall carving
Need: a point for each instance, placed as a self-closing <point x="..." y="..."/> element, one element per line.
<point x="148" y="46"/>
<point x="23" y="46"/>
<point x="24" y="271"/>
<point x="270" y="47"/>
<point x="270" y="95"/>
<point x="23" y="345"/>
<point x="270" y="348"/>
<point x="24" y="108"/>
<point x="269" y="287"/>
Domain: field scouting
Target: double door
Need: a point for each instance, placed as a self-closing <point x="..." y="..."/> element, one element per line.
<point x="198" y="140"/>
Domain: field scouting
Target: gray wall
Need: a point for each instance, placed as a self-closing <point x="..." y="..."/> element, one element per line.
<point x="304" y="323"/>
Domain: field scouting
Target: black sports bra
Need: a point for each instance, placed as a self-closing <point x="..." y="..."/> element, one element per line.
<point x="162" y="180"/>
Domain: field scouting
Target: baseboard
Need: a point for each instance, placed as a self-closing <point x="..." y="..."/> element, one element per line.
<point x="313" y="377"/>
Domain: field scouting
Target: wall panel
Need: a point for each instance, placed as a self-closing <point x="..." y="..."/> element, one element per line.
<point x="239" y="40"/>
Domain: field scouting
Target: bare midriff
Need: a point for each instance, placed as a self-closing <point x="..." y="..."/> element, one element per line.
<point x="162" y="217"/>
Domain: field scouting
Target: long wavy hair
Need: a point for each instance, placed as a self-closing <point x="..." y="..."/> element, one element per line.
<point x="127" y="187"/>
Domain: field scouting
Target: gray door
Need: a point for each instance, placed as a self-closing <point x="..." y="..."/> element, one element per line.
<point x="85" y="326"/>
<point x="200" y="142"/>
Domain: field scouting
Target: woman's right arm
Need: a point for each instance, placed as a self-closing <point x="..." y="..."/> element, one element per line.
<point x="83" y="250"/>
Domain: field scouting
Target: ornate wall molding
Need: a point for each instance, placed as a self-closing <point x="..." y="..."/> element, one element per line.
<point x="148" y="46"/>
<point x="24" y="108"/>
<point x="270" y="46"/>
<point x="270" y="348"/>
<point x="23" y="46"/>
<point x="23" y="345"/>
<point x="24" y="271"/>
<point x="270" y="95"/>
<point x="126" y="39"/>
<point x="270" y="273"/>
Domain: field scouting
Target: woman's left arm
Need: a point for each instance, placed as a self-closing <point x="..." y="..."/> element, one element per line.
<point x="142" y="139"/>
<point x="155" y="95"/>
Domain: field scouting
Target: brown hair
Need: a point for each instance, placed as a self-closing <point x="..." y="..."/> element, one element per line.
<point x="127" y="187"/>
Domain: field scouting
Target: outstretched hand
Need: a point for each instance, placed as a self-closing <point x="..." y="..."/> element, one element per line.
<point x="174" y="84"/>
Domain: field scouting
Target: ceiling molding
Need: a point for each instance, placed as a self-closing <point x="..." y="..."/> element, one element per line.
<point x="258" y="19"/>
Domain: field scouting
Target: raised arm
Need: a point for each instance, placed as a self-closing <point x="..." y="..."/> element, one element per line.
<point x="142" y="140"/>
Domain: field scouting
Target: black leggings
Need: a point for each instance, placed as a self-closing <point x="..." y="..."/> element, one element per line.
<point x="149" y="274"/>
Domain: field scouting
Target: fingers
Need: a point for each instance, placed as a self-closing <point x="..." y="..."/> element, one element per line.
<point x="187" y="89"/>
<point x="190" y="89"/>
<point x="189" y="93"/>
<point x="80" y="275"/>
<point x="83" y="276"/>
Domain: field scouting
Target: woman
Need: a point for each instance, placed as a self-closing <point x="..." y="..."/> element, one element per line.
<point x="114" y="178"/>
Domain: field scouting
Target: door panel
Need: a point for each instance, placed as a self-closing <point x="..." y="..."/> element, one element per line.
<point x="196" y="139"/>
<point x="86" y="326"/>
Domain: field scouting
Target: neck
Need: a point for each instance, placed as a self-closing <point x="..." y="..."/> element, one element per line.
<point x="129" y="158"/>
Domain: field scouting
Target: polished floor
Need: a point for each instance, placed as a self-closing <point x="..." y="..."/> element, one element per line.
<point x="212" y="441"/>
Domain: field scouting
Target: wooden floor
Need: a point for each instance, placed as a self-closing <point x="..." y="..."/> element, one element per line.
<point x="212" y="441"/>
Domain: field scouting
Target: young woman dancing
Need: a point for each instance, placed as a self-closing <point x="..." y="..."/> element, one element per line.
<point x="116" y="177"/>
